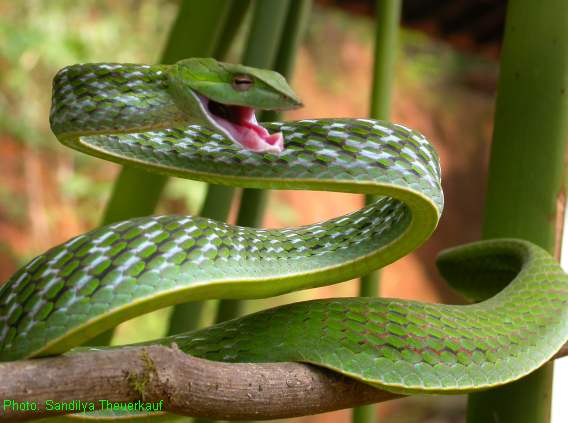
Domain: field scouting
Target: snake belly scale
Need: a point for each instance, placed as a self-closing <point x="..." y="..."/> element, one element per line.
<point x="96" y="280"/>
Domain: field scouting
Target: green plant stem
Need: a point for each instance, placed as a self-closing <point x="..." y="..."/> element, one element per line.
<point x="188" y="316"/>
<point x="194" y="33"/>
<point x="386" y="46"/>
<point x="197" y="28"/>
<point x="127" y="201"/>
<point x="267" y="26"/>
<point x="217" y="204"/>
<point x="265" y="33"/>
<point x="232" y="25"/>
<point x="364" y="414"/>
<point x="387" y="16"/>
<point x="525" y="171"/>
<point x="296" y="24"/>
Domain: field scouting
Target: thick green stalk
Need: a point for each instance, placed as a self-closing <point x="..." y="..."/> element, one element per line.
<point x="261" y="50"/>
<point x="233" y="22"/>
<point x="527" y="161"/>
<point x="386" y="48"/>
<point x="217" y="205"/>
<point x="364" y="414"/>
<point x="127" y="200"/>
<point x="195" y="32"/>
<point x="386" y="44"/>
<point x="387" y="16"/>
<point x="265" y="33"/>
<point x="188" y="316"/>
<point x="295" y="26"/>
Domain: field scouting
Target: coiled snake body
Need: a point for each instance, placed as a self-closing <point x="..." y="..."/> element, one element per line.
<point x="195" y="119"/>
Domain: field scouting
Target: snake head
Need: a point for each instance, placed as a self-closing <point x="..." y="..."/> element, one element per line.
<point x="225" y="96"/>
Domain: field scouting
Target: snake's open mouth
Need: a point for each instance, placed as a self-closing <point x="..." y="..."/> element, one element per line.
<point x="240" y="125"/>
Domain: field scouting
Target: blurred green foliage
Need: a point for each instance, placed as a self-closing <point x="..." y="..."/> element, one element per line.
<point x="39" y="37"/>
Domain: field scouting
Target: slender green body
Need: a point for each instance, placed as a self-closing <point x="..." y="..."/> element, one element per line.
<point x="405" y="346"/>
<point x="387" y="21"/>
<point x="101" y="278"/>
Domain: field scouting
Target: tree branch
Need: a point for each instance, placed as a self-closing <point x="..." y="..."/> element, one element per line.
<point x="187" y="385"/>
<point x="562" y="352"/>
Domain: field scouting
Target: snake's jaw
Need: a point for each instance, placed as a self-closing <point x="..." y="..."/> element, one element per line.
<point x="239" y="124"/>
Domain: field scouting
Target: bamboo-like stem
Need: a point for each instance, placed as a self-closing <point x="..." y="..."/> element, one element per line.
<point x="195" y="32"/>
<point x="217" y="204"/>
<point x="387" y="22"/>
<point x="527" y="161"/>
<point x="265" y="36"/>
<point x="386" y="48"/>
<point x="296" y="24"/>
<point x="364" y="414"/>
<point x="232" y="25"/>
<point x="386" y="44"/>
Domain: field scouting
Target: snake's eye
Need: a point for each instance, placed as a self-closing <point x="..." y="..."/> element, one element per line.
<point x="241" y="82"/>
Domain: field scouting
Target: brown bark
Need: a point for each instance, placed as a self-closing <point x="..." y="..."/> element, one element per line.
<point x="562" y="352"/>
<point x="187" y="385"/>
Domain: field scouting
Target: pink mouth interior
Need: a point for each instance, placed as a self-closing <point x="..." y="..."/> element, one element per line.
<point x="239" y="123"/>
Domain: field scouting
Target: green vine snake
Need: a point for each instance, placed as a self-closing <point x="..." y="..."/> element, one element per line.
<point x="195" y="119"/>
